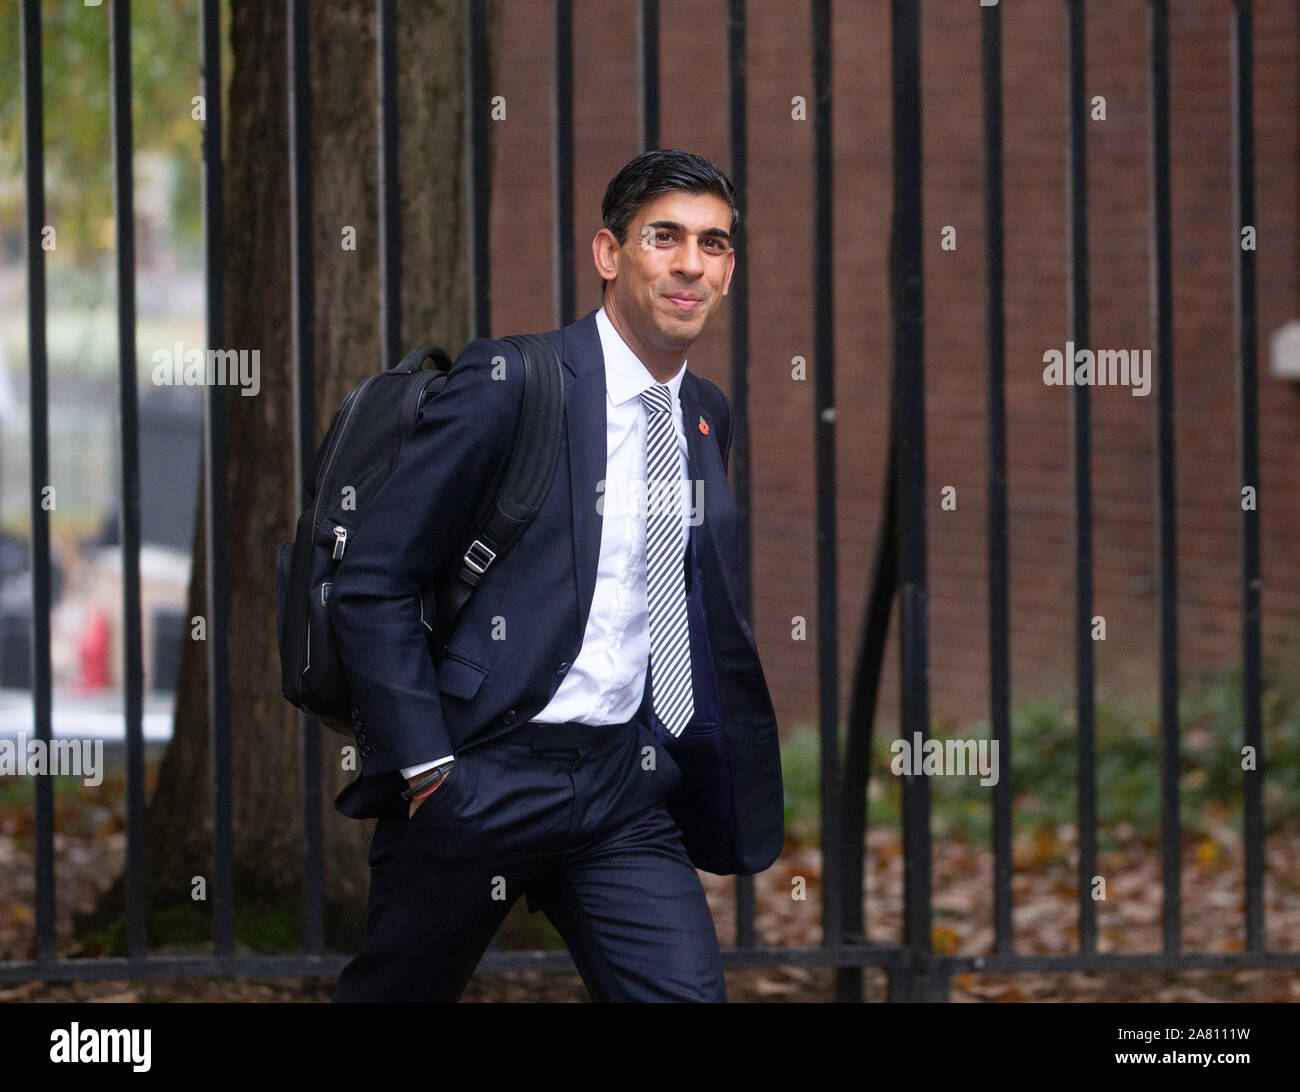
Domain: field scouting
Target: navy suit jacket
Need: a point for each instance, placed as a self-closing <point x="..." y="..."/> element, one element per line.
<point x="524" y="625"/>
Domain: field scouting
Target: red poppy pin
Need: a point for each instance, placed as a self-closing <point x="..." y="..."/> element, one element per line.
<point x="704" y="426"/>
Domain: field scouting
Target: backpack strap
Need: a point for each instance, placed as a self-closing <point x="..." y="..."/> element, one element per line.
<point x="420" y="356"/>
<point x="533" y="456"/>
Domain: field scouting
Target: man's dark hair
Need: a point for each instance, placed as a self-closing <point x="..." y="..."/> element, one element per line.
<point x="651" y="175"/>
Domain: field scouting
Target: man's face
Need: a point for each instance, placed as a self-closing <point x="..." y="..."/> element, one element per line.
<point x="673" y="270"/>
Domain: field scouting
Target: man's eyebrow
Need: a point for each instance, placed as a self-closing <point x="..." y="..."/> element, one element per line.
<point x="673" y="225"/>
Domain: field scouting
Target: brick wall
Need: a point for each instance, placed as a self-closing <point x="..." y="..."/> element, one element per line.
<point x="779" y="256"/>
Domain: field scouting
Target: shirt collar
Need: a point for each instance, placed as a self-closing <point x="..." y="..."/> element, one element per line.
<point x="625" y="376"/>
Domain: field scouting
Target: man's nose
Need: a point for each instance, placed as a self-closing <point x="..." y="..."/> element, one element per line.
<point x="690" y="262"/>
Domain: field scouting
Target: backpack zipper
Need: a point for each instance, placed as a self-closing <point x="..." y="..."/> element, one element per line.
<point x="340" y="539"/>
<point x="355" y="397"/>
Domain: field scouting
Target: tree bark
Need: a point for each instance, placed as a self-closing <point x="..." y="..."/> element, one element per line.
<point x="261" y="494"/>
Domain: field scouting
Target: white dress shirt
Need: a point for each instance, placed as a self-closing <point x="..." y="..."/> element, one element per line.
<point x="606" y="682"/>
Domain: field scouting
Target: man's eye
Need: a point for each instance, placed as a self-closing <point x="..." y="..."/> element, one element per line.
<point x="662" y="235"/>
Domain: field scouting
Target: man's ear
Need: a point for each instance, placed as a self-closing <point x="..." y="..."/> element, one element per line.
<point x="731" y="268"/>
<point x="604" y="253"/>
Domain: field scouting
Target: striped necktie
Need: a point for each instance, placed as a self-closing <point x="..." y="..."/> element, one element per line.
<point x="670" y="641"/>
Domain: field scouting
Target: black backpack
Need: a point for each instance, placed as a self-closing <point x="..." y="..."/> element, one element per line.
<point x="361" y="449"/>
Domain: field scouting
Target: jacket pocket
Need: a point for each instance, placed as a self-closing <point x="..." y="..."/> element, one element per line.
<point x="439" y="797"/>
<point x="459" y="678"/>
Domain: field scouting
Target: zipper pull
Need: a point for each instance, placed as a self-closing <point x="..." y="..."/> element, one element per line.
<point x="340" y="541"/>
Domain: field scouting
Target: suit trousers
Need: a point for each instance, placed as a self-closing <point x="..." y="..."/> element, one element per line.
<point x="572" y="816"/>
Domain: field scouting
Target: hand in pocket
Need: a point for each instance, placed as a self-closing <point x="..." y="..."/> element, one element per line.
<point x="440" y="787"/>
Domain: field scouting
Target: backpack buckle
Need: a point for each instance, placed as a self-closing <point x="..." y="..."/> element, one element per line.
<point x="478" y="557"/>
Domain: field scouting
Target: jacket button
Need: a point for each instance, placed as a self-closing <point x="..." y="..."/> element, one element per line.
<point x="562" y="668"/>
<point x="510" y="717"/>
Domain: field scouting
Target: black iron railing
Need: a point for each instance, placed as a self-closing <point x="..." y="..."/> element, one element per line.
<point x="914" y="971"/>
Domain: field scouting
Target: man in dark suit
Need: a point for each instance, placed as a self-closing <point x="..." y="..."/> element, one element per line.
<point x="599" y="723"/>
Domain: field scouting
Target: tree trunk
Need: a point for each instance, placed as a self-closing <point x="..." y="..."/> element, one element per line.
<point x="261" y="492"/>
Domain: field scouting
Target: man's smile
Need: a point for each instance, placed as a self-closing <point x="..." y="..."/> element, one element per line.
<point x="684" y="301"/>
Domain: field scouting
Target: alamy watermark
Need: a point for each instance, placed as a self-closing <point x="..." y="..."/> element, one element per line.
<point x="131" y="1046"/>
<point x="644" y="498"/>
<point x="950" y="757"/>
<point x="1103" y="368"/>
<point x="182" y="367"/>
<point x="82" y="758"/>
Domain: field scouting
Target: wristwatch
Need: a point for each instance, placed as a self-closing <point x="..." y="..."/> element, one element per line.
<point x="433" y="777"/>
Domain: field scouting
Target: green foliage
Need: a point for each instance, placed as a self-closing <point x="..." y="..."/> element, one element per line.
<point x="270" y="926"/>
<point x="801" y="776"/>
<point x="522" y="930"/>
<point x="20" y="792"/>
<point x="78" y="122"/>
<point x="1044" y="760"/>
<point x="261" y="927"/>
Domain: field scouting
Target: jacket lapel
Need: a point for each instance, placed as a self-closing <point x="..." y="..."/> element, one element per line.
<point x="698" y="447"/>
<point x="585" y="424"/>
<point x="705" y="466"/>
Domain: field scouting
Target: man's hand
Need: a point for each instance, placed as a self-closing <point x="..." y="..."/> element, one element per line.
<point x="410" y="781"/>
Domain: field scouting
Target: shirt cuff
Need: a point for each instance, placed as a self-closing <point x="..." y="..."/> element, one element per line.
<point x="409" y="772"/>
